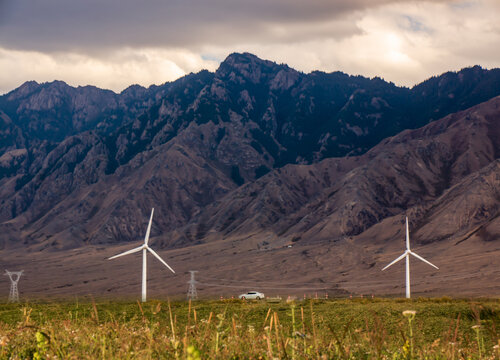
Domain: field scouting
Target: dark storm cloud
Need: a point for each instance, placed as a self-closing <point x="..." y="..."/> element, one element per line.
<point x="90" y="25"/>
<point x="115" y="43"/>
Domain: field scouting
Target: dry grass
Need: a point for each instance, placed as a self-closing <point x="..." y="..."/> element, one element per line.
<point x="317" y="329"/>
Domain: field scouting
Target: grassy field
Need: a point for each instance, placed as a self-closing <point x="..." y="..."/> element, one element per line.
<point x="312" y="329"/>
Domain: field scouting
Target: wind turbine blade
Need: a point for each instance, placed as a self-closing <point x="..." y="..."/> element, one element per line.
<point x="421" y="258"/>
<point x="126" y="253"/>
<point x="407" y="235"/>
<point x="159" y="258"/>
<point x="146" y="238"/>
<point x="395" y="261"/>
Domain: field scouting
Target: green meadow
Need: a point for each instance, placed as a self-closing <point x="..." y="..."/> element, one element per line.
<point x="423" y="328"/>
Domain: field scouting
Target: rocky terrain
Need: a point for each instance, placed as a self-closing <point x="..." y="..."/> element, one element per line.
<point x="260" y="175"/>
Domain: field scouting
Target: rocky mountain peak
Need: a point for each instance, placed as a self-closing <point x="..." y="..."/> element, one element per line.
<point x="22" y="91"/>
<point x="241" y="67"/>
<point x="134" y="91"/>
<point x="240" y="59"/>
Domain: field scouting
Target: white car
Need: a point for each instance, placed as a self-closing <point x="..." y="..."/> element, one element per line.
<point x="252" y="295"/>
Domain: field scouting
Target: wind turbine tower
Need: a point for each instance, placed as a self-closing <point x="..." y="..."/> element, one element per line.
<point x="406" y="255"/>
<point x="145" y="248"/>
<point x="192" y="294"/>
<point x="14" y="277"/>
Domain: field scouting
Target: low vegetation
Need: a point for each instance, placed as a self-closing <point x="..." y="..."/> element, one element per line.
<point x="313" y="329"/>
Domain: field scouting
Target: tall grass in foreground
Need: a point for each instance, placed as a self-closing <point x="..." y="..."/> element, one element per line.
<point x="315" y="329"/>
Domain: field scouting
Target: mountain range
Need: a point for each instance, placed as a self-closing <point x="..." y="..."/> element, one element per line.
<point x="257" y="173"/>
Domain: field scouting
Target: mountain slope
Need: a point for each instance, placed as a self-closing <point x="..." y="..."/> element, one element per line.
<point x="343" y="197"/>
<point x="66" y="148"/>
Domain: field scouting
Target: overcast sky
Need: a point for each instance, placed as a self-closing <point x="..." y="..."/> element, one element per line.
<point x="116" y="43"/>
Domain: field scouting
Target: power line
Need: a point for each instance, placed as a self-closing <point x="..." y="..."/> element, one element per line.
<point x="245" y="284"/>
<point x="260" y="283"/>
<point x="263" y="287"/>
<point x="341" y="283"/>
<point x="241" y="281"/>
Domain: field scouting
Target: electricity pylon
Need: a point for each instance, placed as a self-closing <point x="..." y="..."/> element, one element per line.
<point x="192" y="294"/>
<point x="14" y="277"/>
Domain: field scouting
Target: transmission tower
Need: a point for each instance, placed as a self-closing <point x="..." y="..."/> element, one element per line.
<point x="14" y="277"/>
<point x="192" y="294"/>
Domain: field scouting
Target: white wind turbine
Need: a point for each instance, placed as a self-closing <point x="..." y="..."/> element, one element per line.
<point x="144" y="247"/>
<point x="407" y="254"/>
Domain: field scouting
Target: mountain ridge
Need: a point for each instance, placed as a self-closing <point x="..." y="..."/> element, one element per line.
<point x="237" y="109"/>
<point x="255" y="156"/>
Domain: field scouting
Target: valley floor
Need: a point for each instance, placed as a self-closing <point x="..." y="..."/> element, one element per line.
<point x="230" y="267"/>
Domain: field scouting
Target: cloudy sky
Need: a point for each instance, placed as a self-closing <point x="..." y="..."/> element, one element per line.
<point x="115" y="43"/>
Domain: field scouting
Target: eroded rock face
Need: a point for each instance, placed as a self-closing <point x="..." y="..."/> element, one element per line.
<point x="245" y="149"/>
<point x="422" y="171"/>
